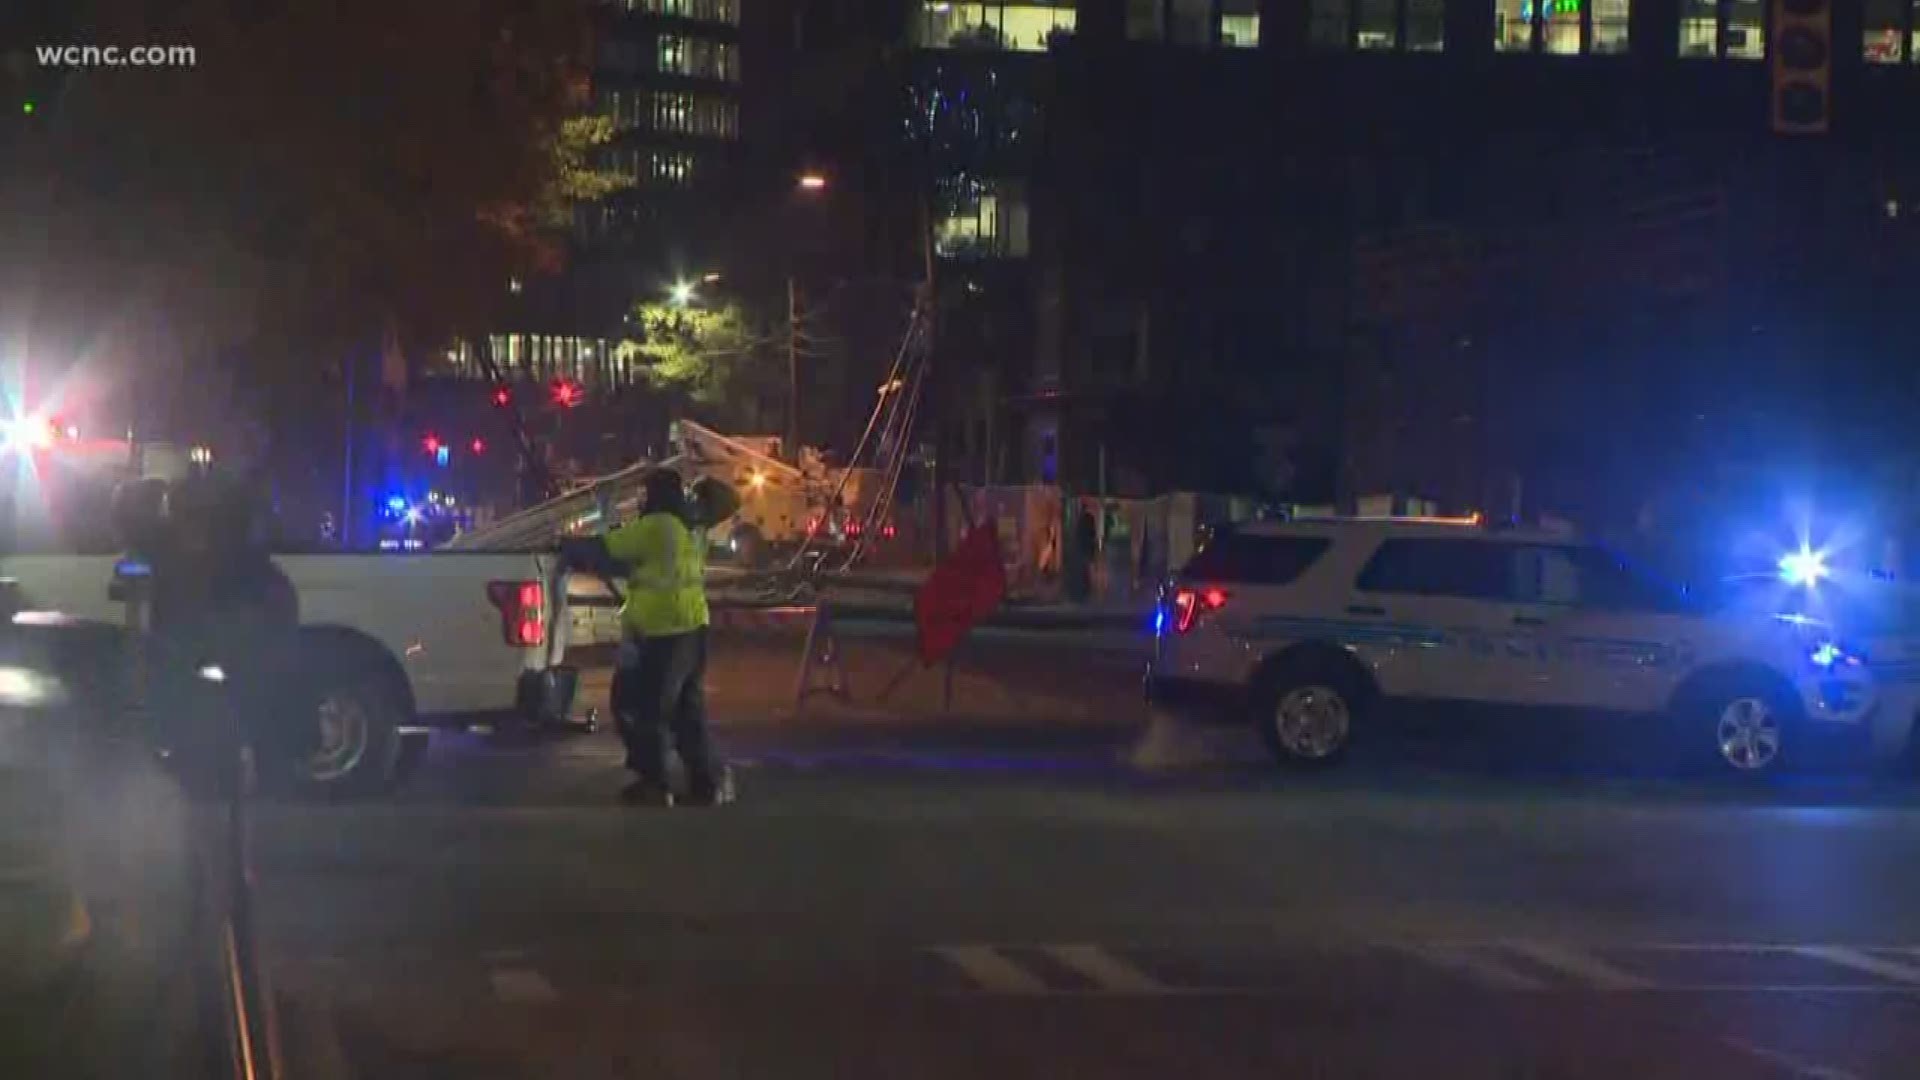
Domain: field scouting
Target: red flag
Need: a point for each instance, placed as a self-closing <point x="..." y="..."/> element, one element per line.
<point x="961" y="591"/>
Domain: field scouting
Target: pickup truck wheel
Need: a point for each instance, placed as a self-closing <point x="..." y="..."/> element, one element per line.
<point x="1307" y="712"/>
<point x="356" y="745"/>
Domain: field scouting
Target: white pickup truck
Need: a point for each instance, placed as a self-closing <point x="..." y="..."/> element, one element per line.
<point x="393" y="644"/>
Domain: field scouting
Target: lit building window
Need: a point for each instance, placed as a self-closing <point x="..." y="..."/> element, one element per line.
<point x="670" y="168"/>
<point x="1562" y="27"/>
<point x="714" y="11"/>
<point x="1513" y="25"/>
<point x="982" y="219"/>
<point x="1560" y="32"/>
<point x="1699" y="28"/>
<point x="1610" y="18"/>
<point x="673" y="57"/>
<point x="1023" y="27"/>
<point x="1746" y="29"/>
<point x="1723" y="29"/>
<point x="1239" y="23"/>
<point x="1426" y="25"/>
<point x="1884" y="24"/>
<point x="1379" y="24"/>
<point x="697" y="58"/>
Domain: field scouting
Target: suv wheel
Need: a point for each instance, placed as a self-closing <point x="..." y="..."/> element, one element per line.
<point x="1746" y="725"/>
<point x="1307" y="714"/>
<point x="1749" y="732"/>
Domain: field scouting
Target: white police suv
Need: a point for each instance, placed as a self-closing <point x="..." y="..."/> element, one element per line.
<point x="1306" y="626"/>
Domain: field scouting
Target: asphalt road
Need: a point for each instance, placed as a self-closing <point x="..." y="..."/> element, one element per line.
<point x="935" y="900"/>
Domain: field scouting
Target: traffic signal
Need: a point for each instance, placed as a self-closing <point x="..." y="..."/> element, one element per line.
<point x="502" y="397"/>
<point x="567" y="393"/>
<point x="1802" y="66"/>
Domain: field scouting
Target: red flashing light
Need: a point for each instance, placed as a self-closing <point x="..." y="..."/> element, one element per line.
<point x="478" y="446"/>
<point x="567" y="393"/>
<point x="502" y="397"/>
<point x="1189" y="605"/>
<point x="886" y="531"/>
<point x="431" y="444"/>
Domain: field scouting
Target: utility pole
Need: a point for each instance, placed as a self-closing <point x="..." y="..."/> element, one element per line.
<point x="793" y="370"/>
<point x="929" y="301"/>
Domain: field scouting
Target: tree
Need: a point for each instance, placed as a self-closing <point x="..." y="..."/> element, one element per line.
<point x="711" y="356"/>
<point x="575" y="180"/>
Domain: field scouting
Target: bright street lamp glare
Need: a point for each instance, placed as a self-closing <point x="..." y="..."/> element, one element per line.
<point x="682" y="292"/>
<point x="812" y="181"/>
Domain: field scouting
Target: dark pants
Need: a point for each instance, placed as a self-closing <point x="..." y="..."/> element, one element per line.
<point x="664" y="690"/>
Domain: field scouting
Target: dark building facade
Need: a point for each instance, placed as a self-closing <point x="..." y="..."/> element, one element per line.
<point x="1499" y="253"/>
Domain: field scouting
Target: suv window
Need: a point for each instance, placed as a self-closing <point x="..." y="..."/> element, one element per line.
<point x="1597" y="578"/>
<point x="1474" y="569"/>
<point x="1256" y="560"/>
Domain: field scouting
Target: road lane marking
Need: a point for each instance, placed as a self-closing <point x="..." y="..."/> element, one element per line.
<point x="521" y="986"/>
<point x="1793" y="1066"/>
<point x="1856" y="960"/>
<point x="1476" y="966"/>
<point x="988" y="967"/>
<point x="1579" y="965"/>
<point x="1105" y="970"/>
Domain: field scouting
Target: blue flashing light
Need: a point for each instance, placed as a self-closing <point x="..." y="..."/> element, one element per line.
<point x="1826" y="654"/>
<point x="397" y="503"/>
<point x="1159" y="619"/>
<point x="1804" y="568"/>
<point x="442" y="455"/>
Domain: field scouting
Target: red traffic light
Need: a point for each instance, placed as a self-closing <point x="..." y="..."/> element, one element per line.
<point x="502" y="397"/>
<point x="567" y="393"/>
<point x="478" y="446"/>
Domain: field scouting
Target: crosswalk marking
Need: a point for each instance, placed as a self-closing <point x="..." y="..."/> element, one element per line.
<point x="1856" y="960"/>
<point x="1580" y="965"/>
<point x="1476" y="965"/>
<point x="986" y="966"/>
<point x="521" y="986"/>
<point x="1105" y="970"/>
<point x="1065" y="969"/>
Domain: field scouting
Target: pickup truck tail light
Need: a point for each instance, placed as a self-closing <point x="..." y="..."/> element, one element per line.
<point x="523" y="616"/>
<point x="1190" y="604"/>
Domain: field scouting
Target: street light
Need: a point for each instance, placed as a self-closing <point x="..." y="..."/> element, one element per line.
<point x="682" y="293"/>
<point x="813" y="181"/>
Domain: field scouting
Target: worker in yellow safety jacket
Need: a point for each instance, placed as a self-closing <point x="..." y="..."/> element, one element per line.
<point x="660" y="675"/>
